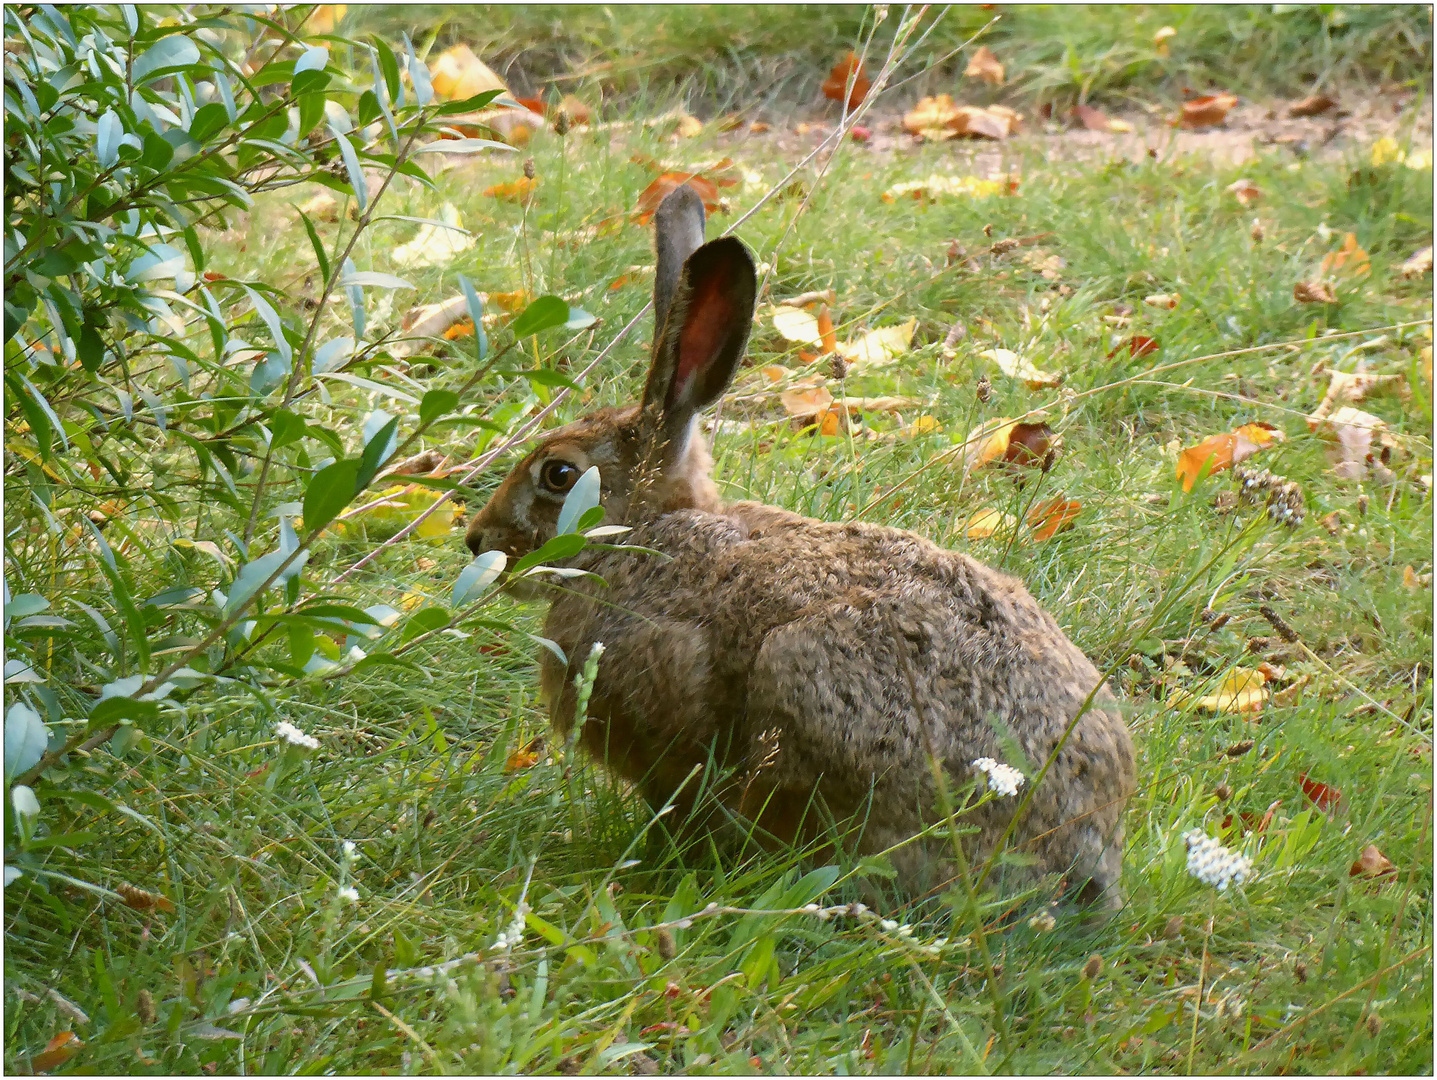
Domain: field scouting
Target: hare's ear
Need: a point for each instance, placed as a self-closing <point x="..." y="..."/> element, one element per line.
<point x="703" y="337"/>
<point x="678" y="233"/>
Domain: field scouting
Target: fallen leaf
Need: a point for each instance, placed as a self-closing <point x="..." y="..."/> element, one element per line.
<point x="1161" y="39"/>
<point x="1207" y="110"/>
<point x="795" y="324"/>
<point x="60" y="1049"/>
<point x="1219" y="452"/>
<point x="923" y="424"/>
<point x="934" y="186"/>
<point x="1137" y="345"/>
<point x="1313" y="292"/>
<point x="938" y="118"/>
<point x="758" y="127"/>
<point x="1349" y="258"/>
<point x="1163" y="300"/>
<point x="1324" y="796"/>
<point x="1250" y="821"/>
<point x="1351" y="433"/>
<point x="1350" y="387"/>
<point x="985" y="66"/>
<point x="516" y="191"/>
<point x="1245" y="191"/>
<point x="985" y="523"/>
<point x="826" y="335"/>
<point x="431" y="320"/>
<point x="578" y="110"/>
<point x="1372" y="864"/>
<point x="1016" y="367"/>
<point x="1009" y="442"/>
<point x="1315" y="105"/>
<point x="533" y="104"/>
<point x="435" y="245"/>
<point x="324" y="18"/>
<point x="1420" y="263"/>
<point x="522" y="758"/>
<point x="836" y="87"/>
<point x="141" y="900"/>
<point x="1242" y="690"/>
<point x="689" y="127"/>
<point x="512" y="302"/>
<point x="1412" y="581"/>
<point x="803" y="402"/>
<point x="877" y="348"/>
<point x="1385" y="151"/>
<point x="704" y="182"/>
<point x="1091" y="118"/>
<point x="458" y="74"/>
<point x="1120" y="127"/>
<point x="1050" y="518"/>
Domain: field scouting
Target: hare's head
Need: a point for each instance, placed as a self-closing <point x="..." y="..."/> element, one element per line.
<point x="651" y="457"/>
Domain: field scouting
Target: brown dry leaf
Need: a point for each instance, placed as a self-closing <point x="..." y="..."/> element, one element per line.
<point x="1352" y="433"/>
<point x="1420" y="263"/>
<point x="1019" y="367"/>
<point x="835" y="88"/>
<point x="705" y="185"/>
<point x="1245" y="191"/>
<point x="431" y="320"/>
<point x="141" y="900"/>
<point x="758" y="127"/>
<point x="1163" y="300"/>
<point x="1412" y="581"/>
<point x="60" y="1049"/>
<point x="1091" y="118"/>
<point x="1373" y="864"/>
<point x="458" y="74"/>
<point x="1161" y="39"/>
<point x="1050" y="518"/>
<point x="1207" y="110"/>
<point x="1313" y="292"/>
<point x="1349" y="258"/>
<point x="1243" y="690"/>
<point x="940" y="118"/>
<point x="985" y="523"/>
<point x="877" y="348"/>
<point x="515" y="191"/>
<point x="1010" y="442"/>
<point x="1315" y="105"/>
<point x="1225" y="451"/>
<point x="985" y="66"/>
<point x="1350" y="387"/>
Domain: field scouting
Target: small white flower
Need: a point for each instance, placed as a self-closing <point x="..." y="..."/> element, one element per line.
<point x="888" y="924"/>
<point x="905" y="930"/>
<point x="349" y="893"/>
<point x="1213" y="864"/>
<point x="289" y="733"/>
<point x="1004" y="779"/>
<point x="351" y="851"/>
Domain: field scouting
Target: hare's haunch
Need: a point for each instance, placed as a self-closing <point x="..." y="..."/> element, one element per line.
<point x="822" y="666"/>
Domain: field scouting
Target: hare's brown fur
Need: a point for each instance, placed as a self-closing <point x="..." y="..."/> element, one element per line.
<point x="823" y="666"/>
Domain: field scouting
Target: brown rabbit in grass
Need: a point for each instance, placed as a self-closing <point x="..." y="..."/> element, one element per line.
<point x="821" y="665"/>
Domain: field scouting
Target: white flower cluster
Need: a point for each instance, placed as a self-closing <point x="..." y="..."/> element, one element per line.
<point x="351" y="852"/>
<point x="1213" y="864"/>
<point x="289" y="733"/>
<point x="349" y="893"/>
<point x="1004" y="779"/>
<point x="512" y="934"/>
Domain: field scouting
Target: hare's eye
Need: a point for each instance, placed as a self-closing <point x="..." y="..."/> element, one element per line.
<point x="558" y="476"/>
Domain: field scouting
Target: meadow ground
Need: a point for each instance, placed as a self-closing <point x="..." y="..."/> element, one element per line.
<point x="265" y="966"/>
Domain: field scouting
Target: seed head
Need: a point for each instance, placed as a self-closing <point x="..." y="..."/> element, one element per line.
<point x="1094" y="967"/>
<point x="528" y="168"/>
<point x="668" y="949"/>
<point x="985" y="389"/>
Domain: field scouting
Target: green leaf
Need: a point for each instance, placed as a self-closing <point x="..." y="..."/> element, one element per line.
<point x="115" y="709"/>
<point x="351" y="166"/>
<point x="469" y="104"/>
<point x="389" y="65"/>
<point x="478" y="576"/>
<point x="208" y="121"/>
<point x="423" y="621"/>
<point x="377" y="449"/>
<point x="544" y="313"/>
<point x="25" y="740"/>
<point x="319" y="256"/>
<point x="247" y="582"/>
<point x="329" y="491"/>
<point x="384" y="659"/>
<point x="173" y="51"/>
<point x="560" y="547"/>
<point x="437" y="403"/>
<point x="285" y="428"/>
<point x="582" y="497"/>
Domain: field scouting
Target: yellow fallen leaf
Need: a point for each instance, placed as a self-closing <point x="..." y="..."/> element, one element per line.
<point x="690" y="127"/>
<point x="458" y="74"/>
<point x="401" y="505"/>
<point x="985" y="523"/>
<point x="1163" y="300"/>
<point x="1019" y="367"/>
<point x="324" y="18"/>
<point x="1243" y="690"/>
<point x="987" y="442"/>
<point x="1161" y="39"/>
<point x="923" y="425"/>
<point x="985" y="66"/>
<point x="1120" y="127"/>
<point x="795" y="324"/>
<point x="936" y="185"/>
<point x="877" y="348"/>
<point x="431" y="320"/>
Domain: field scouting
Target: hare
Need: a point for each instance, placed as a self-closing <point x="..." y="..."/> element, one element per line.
<point x="824" y="666"/>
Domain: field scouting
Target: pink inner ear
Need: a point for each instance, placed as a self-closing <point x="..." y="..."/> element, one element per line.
<point x="707" y="323"/>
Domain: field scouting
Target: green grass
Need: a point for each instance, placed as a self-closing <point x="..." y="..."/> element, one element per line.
<point x="771" y="59"/>
<point x="1307" y="968"/>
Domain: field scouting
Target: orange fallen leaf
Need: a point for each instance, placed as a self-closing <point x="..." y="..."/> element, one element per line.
<point x="141" y="900"/>
<point x="1373" y="864"/>
<point x="1315" y="105"/>
<point x="1323" y="796"/>
<point x="1348" y="258"/>
<point x="1050" y="518"/>
<point x="826" y="335"/>
<point x="512" y="302"/>
<point x="1137" y="345"/>
<point x="1225" y="450"/>
<point x="705" y="185"/>
<point x="464" y="328"/>
<point x="533" y="104"/>
<point x="804" y="402"/>
<point x="324" y="18"/>
<point x="985" y="66"/>
<point x="1091" y="118"/>
<point x="60" y="1049"/>
<point x="1250" y="821"/>
<point x="458" y="74"/>
<point x="520" y="759"/>
<point x="836" y="87"/>
<point x="516" y="191"/>
<point x="1245" y="191"/>
<point x="1313" y="292"/>
<point x="758" y="127"/>
<point x="1207" y="110"/>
